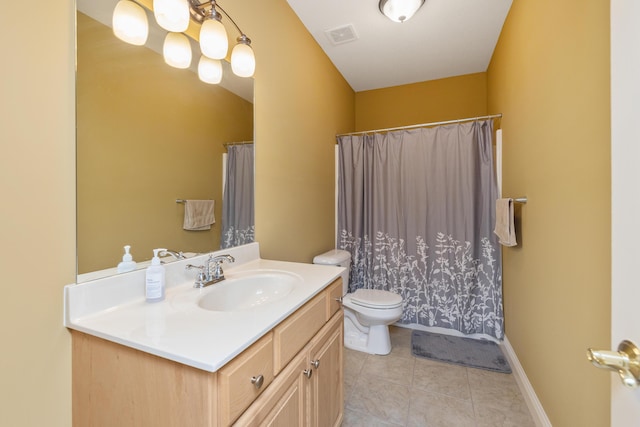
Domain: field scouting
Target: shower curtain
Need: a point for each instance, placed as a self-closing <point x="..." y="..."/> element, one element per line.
<point x="416" y="210"/>
<point x="237" y="204"/>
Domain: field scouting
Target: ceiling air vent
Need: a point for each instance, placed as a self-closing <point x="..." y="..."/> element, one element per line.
<point x="343" y="34"/>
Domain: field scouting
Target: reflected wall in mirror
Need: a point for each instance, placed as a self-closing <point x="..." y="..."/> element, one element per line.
<point x="147" y="134"/>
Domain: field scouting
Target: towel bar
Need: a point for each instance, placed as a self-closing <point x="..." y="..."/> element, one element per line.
<point x="181" y="201"/>
<point x="520" y="200"/>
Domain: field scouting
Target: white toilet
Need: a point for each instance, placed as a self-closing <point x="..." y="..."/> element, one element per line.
<point x="367" y="312"/>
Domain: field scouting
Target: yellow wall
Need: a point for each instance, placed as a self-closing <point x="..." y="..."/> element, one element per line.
<point x="432" y="101"/>
<point x="302" y="102"/>
<point x="549" y="76"/>
<point x="148" y="134"/>
<point x="37" y="173"/>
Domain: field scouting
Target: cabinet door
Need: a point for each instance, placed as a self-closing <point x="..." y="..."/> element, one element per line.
<point x="291" y="409"/>
<point x="327" y="394"/>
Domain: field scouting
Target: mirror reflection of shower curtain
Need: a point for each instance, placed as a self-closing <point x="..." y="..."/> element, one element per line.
<point x="416" y="210"/>
<point x="238" y="220"/>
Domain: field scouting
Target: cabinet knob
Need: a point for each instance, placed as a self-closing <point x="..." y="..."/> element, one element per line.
<point x="315" y="363"/>
<point x="257" y="381"/>
<point x="307" y="373"/>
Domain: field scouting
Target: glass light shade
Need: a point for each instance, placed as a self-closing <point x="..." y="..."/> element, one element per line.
<point x="213" y="39"/>
<point x="243" y="61"/>
<point x="172" y="15"/>
<point x="130" y="23"/>
<point x="210" y="70"/>
<point x="400" y="10"/>
<point x="177" y="50"/>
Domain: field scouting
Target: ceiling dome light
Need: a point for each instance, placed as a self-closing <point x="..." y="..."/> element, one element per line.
<point x="213" y="39"/>
<point x="210" y="70"/>
<point x="177" y="50"/>
<point x="400" y="10"/>
<point x="130" y="23"/>
<point x="243" y="61"/>
<point x="172" y="15"/>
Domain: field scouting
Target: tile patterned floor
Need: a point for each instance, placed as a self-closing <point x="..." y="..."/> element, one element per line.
<point x="402" y="390"/>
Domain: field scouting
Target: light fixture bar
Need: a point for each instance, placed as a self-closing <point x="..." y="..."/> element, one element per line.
<point x="242" y="34"/>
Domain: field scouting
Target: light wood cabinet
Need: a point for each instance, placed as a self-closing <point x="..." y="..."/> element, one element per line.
<point x="309" y="391"/>
<point x="118" y="385"/>
<point x="295" y="331"/>
<point x="244" y="378"/>
<point x="327" y="393"/>
<point x="285" y="402"/>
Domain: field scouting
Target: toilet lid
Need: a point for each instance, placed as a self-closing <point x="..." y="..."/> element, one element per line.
<point x="374" y="298"/>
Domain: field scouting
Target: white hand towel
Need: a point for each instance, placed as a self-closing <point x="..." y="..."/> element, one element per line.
<point x="198" y="215"/>
<point x="505" y="227"/>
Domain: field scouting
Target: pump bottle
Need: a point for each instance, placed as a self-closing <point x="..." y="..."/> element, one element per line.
<point x="127" y="263"/>
<point x="155" y="277"/>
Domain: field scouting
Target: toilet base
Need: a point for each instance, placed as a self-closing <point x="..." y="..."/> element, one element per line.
<point x="368" y="339"/>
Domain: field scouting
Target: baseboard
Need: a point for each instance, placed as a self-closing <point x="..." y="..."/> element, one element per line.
<point x="535" y="407"/>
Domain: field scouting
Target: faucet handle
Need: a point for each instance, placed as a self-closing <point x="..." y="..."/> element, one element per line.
<point x="216" y="273"/>
<point x="202" y="277"/>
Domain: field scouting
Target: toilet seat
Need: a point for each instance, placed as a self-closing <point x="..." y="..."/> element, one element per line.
<point x="376" y="299"/>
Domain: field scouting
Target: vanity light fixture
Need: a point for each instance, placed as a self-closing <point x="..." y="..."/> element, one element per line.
<point x="210" y="70"/>
<point x="172" y="15"/>
<point x="214" y="43"/>
<point x="130" y="23"/>
<point x="213" y="37"/>
<point x="177" y="50"/>
<point x="243" y="63"/>
<point x="399" y="10"/>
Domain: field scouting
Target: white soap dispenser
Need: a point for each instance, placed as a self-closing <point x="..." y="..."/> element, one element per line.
<point x="154" y="283"/>
<point x="127" y="263"/>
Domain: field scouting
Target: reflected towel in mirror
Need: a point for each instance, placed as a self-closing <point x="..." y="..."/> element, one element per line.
<point x="198" y="215"/>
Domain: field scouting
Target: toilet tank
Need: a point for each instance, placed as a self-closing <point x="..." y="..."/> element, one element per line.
<point x="340" y="258"/>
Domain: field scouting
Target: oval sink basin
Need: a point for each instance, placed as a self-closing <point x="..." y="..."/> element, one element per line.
<point x="247" y="290"/>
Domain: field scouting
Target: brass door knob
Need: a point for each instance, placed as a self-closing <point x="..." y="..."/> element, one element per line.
<point x="625" y="361"/>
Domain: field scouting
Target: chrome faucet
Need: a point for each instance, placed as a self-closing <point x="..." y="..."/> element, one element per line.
<point x="212" y="273"/>
<point x="176" y="255"/>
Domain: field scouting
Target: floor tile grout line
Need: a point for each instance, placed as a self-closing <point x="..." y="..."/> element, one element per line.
<point x="400" y="342"/>
<point x="413" y="376"/>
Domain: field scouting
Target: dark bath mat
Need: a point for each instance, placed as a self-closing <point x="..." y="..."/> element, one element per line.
<point x="482" y="354"/>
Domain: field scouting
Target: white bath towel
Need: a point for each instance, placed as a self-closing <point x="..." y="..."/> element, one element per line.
<point x="505" y="227"/>
<point x="198" y="215"/>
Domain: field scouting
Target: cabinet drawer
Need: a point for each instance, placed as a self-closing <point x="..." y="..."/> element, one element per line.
<point x="285" y="402"/>
<point x="236" y="389"/>
<point x="334" y="291"/>
<point x="291" y="335"/>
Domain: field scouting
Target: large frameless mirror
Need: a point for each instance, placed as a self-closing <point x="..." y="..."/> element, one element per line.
<point x="148" y="135"/>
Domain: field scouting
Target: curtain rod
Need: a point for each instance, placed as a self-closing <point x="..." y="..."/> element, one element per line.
<point x="494" y="116"/>
<point x="226" y="144"/>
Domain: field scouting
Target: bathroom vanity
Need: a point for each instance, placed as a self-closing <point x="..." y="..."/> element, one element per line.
<point x="175" y="363"/>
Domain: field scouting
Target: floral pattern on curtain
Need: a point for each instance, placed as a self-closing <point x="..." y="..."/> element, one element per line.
<point x="416" y="210"/>
<point x="238" y="222"/>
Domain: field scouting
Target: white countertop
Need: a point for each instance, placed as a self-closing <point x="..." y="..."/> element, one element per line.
<point x="177" y="328"/>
